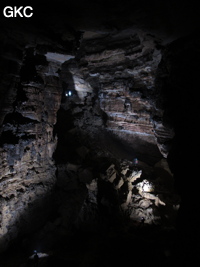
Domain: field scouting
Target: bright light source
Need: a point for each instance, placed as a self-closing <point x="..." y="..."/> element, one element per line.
<point x="68" y="93"/>
<point x="145" y="186"/>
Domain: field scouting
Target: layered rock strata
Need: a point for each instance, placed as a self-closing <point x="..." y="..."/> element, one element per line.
<point x="107" y="98"/>
<point x="152" y="199"/>
<point x="113" y="74"/>
<point x="28" y="114"/>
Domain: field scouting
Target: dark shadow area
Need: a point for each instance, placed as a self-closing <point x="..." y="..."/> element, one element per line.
<point x="64" y="127"/>
<point x="8" y="137"/>
<point x="178" y="87"/>
<point x="28" y="71"/>
<point x="120" y="148"/>
<point x="67" y="143"/>
<point x="30" y="221"/>
<point x="16" y="118"/>
<point x="108" y="248"/>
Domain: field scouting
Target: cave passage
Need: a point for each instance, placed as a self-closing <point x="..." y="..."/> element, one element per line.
<point x="98" y="128"/>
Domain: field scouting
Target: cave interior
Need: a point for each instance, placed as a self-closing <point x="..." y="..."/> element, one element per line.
<point x="98" y="131"/>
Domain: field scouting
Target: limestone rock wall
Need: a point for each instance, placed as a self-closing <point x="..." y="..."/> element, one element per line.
<point x="113" y="74"/>
<point x="102" y="99"/>
<point x="103" y="193"/>
<point x="109" y="103"/>
<point x="30" y="95"/>
<point x="145" y="196"/>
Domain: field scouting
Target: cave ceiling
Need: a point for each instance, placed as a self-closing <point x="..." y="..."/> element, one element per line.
<point x="167" y="19"/>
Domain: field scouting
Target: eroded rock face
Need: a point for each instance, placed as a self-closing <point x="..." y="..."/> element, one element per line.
<point x="109" y="195"/>
<point x="27" y="170"/>
<point x="113" y="76"/>
<point x="142" y="198"/>
<point x="100" y="103"/>
<point x="110" y="110"/>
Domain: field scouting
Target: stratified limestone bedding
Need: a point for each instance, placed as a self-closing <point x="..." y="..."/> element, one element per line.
<point x="27" y="170"/>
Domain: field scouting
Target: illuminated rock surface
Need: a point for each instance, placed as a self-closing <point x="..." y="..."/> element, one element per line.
<point x="27" y="170"/>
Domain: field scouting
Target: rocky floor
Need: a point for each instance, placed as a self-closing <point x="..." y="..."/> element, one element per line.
<point x="94" y="223"/>
<point x="146" y="246"/>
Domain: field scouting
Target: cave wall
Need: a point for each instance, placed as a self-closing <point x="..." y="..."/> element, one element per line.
<point x="112" y="114"/>
<point x="116" y="111"/>
<point x="112" y="84"/>
<point x="177" y="85"/>
<point x="113" y="77"/>
<point x="30" y="98"/>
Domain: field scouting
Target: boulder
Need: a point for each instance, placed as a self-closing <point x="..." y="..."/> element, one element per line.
<point x="134" y="176"/>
